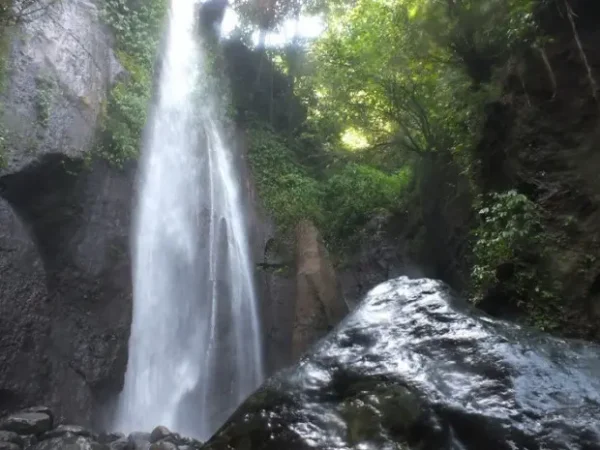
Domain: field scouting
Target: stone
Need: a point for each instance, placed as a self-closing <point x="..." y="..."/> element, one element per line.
<point x="159" y="433"/>
<point x="108" y="437"/>
<point x="69" y="442"/>
<point x="190" y="442"/>
<point x="11" y="436"/>
<point x="139" y="440"/>
<point x="27" y="423"/>
<point x="29" y="440"/>
<point x="41" y="409"/>
<point x="163" y="445"/>
<point x="9" y="446"/>
<point x="415" y="367"/>
<point x="24" y="322"/>
<point x="176" y="438"/>
<point x="121" y="444"/>
<point x="319" y="304"/>
<point x="72" y="429"/>
<point x="67" y="53"/>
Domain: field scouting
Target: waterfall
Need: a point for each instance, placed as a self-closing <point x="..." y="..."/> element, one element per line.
<point x="194" y="350"/>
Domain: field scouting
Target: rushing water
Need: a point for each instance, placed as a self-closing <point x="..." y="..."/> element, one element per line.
<point x="194" y="351"/>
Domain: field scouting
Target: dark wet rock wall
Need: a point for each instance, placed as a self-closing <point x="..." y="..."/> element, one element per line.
<point x="65" y="290"/>
<point x="414" y="367"/>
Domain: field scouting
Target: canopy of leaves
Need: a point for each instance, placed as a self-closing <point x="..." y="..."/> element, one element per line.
<point x="406" y="80"/>
<point x="398" y="70"/>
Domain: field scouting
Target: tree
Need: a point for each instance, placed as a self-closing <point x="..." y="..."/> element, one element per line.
<point x="392" y="81"/>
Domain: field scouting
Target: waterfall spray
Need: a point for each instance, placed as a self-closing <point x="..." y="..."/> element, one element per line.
<point x="195" y="350"/>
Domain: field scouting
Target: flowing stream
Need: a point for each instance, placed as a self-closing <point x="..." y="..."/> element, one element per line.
<point x="195" y="350"/>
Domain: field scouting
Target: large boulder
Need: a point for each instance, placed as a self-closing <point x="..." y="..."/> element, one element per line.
<point x="27" y="423"/>
<point x="120" y="444"/>
<point x="163" y="445"/>
<point x="9" y="446"/>
<point x="139" y="440"/>
<point x="11" y="437"/>
<point x="75" y="430"/>
<point x="71" y="442"/>
<point x="413" y="367"/>
<point x="159" y="433"/>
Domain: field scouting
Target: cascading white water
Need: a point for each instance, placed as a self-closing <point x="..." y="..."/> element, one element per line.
<point x="195" y="350"/>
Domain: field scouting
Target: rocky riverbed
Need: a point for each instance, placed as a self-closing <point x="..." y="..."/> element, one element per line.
<point x="34" y="429"/>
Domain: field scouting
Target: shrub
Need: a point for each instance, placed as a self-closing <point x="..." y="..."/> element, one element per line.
<point x="511" y="231"/>
<point x="287" y="190"/>
<point x="358" y="191"/>
<point x="137" y="26"/>
<point x="509" y="225"/>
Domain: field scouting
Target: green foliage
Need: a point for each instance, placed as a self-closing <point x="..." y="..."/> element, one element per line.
<point x="511" y="232"/>
<point x="395" y="84"/>
<point x="487" y="24"/>
<point x="137" y="27"/>
<point x="5" y="11"/>
<point x="509" y="225"/>
<point x="340" y="203"/>
<point x="356" y="193"/>
<point x="418" y="81"/>
<point x="394" y="94"/>
<point x="404" y="86"/>
<point x="287" y="190"/>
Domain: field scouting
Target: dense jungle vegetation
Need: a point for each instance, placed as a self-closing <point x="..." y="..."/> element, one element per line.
<point x="386" y="113"/>
<point x="390" y="112"/>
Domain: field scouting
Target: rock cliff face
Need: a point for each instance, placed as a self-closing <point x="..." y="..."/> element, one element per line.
<point x="64" y="220"/>
<point x="301" y="295"/>
<point x="319" y="304"/>
<point x="276" y="290"/>
<point x="304" y="295"/>
<point x="542" y="138"/>
<point x="59" y="70"/>
<point x="65" y="289"/>
<point x="275" y="278"/>
<point x="381" y="255"/>
<point x="413" y="367"/>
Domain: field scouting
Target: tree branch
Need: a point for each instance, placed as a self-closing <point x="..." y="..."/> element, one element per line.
<point x="590" y="74"/>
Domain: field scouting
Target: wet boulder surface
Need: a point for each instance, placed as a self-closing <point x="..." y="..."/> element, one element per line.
<point x="414" y="367"/>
